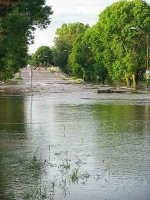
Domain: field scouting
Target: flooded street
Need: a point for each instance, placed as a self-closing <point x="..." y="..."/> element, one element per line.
<point x="72" y="143"/>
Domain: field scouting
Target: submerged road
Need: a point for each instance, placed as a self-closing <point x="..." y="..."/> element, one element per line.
<point x="39" y="75"/>
<point x="41" y="81"/>
<point x="57" y="86"/>
<point x="71" y="129"/>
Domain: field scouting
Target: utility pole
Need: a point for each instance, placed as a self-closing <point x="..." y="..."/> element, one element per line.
<point x="31" y="77"/>
<point x="147" y="61"/>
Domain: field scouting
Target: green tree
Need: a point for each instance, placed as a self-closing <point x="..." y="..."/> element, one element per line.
<point x="124" y="52"/>
<point x="43" y="57"/>
<point x="18" y="26"/>
<point x="81" y="58"/>
<point x="63" y="43"/>
<point x="13" y="45"/>
<point x="86" y="57"/>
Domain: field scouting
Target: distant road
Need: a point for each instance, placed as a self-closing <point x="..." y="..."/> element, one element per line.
<point x="39" y="75"/>
<point x="44" y="81"/>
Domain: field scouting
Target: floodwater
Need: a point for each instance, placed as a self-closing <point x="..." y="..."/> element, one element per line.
<point x="86" y="147"/>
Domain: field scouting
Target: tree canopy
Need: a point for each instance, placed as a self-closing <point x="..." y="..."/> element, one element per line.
<point x="42" y="57"/>
<point x="123" y="27"/>
<point x="86" y="57"/>
<point x="114" y="48"/>
<point x="63" y="42"/>
<point x="18" y="26"/>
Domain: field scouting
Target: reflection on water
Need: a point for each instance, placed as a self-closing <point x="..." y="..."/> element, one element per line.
<point x="85" y="151"/>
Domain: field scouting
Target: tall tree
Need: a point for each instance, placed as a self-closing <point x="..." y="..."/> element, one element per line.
<point x="86" y="57"/>
<point x="19" y="25"/>
<point x="124" y="48"/>
<point x="63" y="42"/>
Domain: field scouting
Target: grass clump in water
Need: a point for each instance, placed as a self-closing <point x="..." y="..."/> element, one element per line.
<point x="36" y="193"/>
<point x="75" y="176"/>
<point x="35" y="163"/>
<point x="65" y="164"/>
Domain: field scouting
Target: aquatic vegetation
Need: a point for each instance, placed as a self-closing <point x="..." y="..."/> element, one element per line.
<point x="65" y="164"/>
<point x="75" y="176"/>
<point x="38" y="192"/>
<point x="68" y="172"/>
<point x="35" y="163"/>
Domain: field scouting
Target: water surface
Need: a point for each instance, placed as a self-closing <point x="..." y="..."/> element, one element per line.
<point x="105" y="141"/>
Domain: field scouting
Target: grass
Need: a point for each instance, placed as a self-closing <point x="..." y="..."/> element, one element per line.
<point x="41" y="192"/>
<point x="19" y="78"/>
<point x="75" y="176"/>
<point x="35" y="163"/>
<point x="65" y="163"/>
<point x="67" y="173"/>
<point x="35" y="193"/>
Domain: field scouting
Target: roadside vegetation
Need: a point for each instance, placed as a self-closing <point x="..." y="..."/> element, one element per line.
<point x="115" y="48"/>
<point x="17" y="26"/>
<point x="113" y="51"/>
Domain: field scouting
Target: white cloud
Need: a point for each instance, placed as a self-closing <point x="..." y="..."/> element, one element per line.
<point x="85" y="11"/>
<point x="67" y="11"/>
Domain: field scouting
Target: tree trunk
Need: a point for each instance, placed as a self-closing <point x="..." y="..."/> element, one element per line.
<point x="134" y="81"/>
<point x="128" y="81"/>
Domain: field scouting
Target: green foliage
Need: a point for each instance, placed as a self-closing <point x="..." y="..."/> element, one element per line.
<point x="75" y="176"/>
<point x="124" y="46"/>
<point x="85" y="59"/>
<point x="39" y="192"/>
<point x="63" y="43"/>
<point x="60" y="56"/>
<point x="36" y="11"/>
<point x="18" y="26"/>
<point x="65" y="164"/>
<point x="116" y="46"/>
<point x="14" y="44"/>
<point x="43" y="56"/>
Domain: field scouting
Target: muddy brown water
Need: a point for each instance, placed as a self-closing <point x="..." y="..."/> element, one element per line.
<point x="89" y="146"/>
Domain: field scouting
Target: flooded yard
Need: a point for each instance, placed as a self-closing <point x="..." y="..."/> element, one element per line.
<point x="74" y="146"/>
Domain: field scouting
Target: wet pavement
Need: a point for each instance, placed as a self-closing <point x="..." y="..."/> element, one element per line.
<point x="45" y="82"/>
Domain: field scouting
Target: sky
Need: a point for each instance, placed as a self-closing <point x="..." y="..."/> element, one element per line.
<point x="69" y="11"/>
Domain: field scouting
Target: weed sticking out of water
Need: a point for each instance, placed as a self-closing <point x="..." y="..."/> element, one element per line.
<point x="38" y="192"/>
<point x="75" y="175"/>
<point x="65" y="164"/>
<point x="68" y="172"/>
<point x="35" y="163"/>
<point x="52" y="185"/>
<point x="82" y="141"/>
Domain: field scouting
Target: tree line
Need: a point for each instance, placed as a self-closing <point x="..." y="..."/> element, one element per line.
<point x="113" y="50"/>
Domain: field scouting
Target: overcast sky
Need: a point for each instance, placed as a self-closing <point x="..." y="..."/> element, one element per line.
<point x="66" y="11"/>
